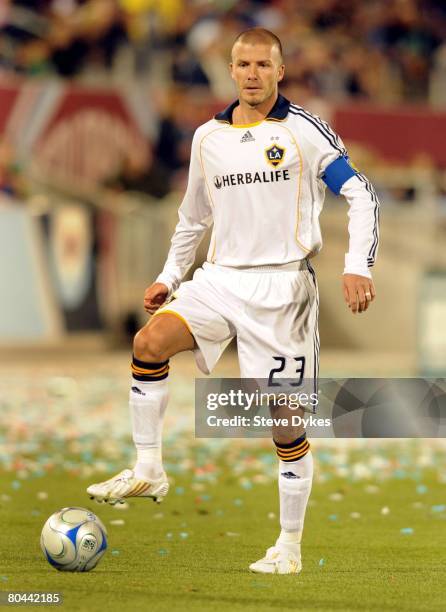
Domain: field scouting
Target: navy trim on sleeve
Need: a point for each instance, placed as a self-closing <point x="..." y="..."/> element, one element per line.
<point x="337" y="173"/>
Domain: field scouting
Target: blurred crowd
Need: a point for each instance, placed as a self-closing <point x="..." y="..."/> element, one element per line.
<point x="381" y="50"/>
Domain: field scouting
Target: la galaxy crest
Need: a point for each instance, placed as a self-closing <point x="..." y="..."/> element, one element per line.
<point x="275" y="154"/>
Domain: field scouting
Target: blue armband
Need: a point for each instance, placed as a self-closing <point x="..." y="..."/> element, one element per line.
<point x="337" y="173"/>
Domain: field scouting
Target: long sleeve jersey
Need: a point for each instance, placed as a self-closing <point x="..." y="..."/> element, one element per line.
<point x="262" y="186"/>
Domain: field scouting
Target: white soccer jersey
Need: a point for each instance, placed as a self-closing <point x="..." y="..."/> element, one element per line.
<point x="262" y="186"/>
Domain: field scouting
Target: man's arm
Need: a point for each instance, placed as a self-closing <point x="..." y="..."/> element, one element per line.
<point x="331" y="164"/>
<point x="195" y="216"/>
<point x="363" y="229"/>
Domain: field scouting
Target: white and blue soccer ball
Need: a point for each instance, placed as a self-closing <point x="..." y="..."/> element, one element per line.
<point x="73" y="540"/>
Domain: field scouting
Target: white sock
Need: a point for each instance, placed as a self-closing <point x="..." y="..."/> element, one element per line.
<point x="148" y="403"/>
<point x="295" y="478"/>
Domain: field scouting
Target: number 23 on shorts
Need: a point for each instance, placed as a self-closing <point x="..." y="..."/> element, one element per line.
<point x="299" y="370"/>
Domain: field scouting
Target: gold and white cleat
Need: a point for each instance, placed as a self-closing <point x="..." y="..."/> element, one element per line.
<point x="277" y="561"/>
<point x="125" y="485"/>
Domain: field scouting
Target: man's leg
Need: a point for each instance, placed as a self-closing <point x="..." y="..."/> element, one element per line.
<point x="294" y="480"/>
<point x="164" y="336"/>
<point x="282" y="324"/>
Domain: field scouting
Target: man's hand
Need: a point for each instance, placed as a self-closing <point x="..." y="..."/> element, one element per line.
<point x="155" y="296"/>
<point x="359" y="291"/>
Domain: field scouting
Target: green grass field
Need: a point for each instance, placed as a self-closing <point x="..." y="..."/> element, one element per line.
<point x="192" y="551"/>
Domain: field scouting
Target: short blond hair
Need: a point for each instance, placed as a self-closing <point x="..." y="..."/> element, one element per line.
<point x="260" y="35"/>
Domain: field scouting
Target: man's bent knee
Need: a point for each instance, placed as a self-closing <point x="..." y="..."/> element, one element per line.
<point x="161" y="338"/>
<point x="148" y="346"/>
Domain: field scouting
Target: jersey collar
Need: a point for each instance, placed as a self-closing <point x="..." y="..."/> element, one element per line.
<point x="278" y="112"/>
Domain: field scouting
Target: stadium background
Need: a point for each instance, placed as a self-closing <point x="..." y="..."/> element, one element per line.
<point x="98" y="103"/>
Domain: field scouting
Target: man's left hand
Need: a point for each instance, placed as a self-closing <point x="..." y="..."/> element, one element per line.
<point x="359" y="292"/>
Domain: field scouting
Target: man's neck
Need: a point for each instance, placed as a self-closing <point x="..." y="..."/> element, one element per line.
<point x="245" y="114"/>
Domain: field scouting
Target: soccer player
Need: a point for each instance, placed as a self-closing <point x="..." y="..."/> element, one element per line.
<point x="258" y="172"/>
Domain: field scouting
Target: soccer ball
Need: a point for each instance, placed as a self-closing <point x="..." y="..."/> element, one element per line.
<point x="73" y="540"/>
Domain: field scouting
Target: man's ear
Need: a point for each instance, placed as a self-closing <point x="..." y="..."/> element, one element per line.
<point x="231" y="67"/>
<point x="281" y="73"/>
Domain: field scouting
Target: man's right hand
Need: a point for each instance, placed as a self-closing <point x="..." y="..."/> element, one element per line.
<point x="155" y="296"/>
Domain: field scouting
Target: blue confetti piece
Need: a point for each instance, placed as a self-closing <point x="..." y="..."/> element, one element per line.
<point x="35" y="513"/>
<point x="268" y="458"/>
<point x="87" y="456"/>
<point x="163" y="551"/>
<point x="421" y="489"/>
<point x="438" y="508"/>
<point x="406" y="531"/>
<point x="238" y="502"/>
<point x="115" y="552"/>
<point x="16" y="485"/>
<point x="333" y="517"/>
<point x="205" y="497"/>
<point x="325" y="457"/>
<point x="321" y="562"/>
<point x="179" y="490"/>
<point x="399" y="473"/>
<point x="247" y="485"/>
<point x="184" y="535"/>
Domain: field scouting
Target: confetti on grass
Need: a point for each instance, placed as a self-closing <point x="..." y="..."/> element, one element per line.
<point x="336" y="497"/>
<point x="407" y="531"/>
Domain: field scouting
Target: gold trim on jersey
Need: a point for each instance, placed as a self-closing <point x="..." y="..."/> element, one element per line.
<point x="301" y="167"/>
<point x="213" y="240"/>
<point x="246" y="125"/>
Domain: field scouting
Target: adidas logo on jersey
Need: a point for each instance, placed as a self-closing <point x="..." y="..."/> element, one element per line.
<point x="247" y="137"/>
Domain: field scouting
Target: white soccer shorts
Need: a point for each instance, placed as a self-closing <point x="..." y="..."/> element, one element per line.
<point x="273" y="312"/>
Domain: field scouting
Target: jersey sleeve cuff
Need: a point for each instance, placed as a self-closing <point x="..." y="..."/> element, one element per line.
<point x="164" y="279"/>
<point x="355" y="264"/>
<point x="359" y="270"/>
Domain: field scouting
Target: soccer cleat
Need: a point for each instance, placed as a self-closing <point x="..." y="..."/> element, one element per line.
<point x="125" y="485"/>
<point x="277" y="561"/>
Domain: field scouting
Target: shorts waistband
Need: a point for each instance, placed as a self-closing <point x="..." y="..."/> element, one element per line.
<point x="292" y="266"/>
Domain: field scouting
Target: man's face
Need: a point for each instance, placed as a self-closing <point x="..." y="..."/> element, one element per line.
<point x="256" y="69"/>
